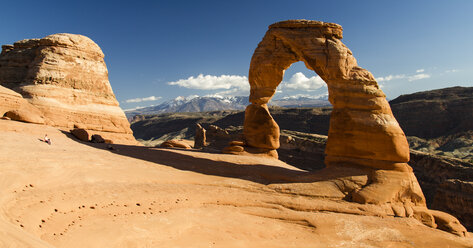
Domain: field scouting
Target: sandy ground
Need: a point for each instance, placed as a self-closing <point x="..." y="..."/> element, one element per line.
<point x="75" y="194"/>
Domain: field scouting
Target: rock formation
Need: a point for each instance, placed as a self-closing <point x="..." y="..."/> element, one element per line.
<point x="363" y="133"/>
<point x="447" y="184"/>
<point x="175" y="144"/>
<point x="65" y="77"/>
<point x="81" y="134"/>
<point x="96" y="138"/>
<point x="13" y="106"/>
<point x="362" y="128"/>
<point x="434" y="113"/>
<point x="200" y="137"/>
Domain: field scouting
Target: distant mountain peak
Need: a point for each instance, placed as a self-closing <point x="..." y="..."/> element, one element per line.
<point x="305" y="96"/>
<point x="185" y="98"/>
<point x="196" y="103"/>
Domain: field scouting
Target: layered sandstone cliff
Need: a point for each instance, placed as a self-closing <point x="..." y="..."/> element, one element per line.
<point x="434" y="113"/>
<point x="447" y="183"/>
<point x="65" y="77"/>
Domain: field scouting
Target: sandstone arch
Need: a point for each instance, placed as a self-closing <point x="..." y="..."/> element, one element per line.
<point x="363" y="130"/>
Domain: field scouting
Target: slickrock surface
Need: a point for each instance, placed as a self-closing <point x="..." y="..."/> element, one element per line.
<point x="64" y="76"/>
<point x="13" y="105"/>
<point x="132" y="196"/>
<point x="446" y="183"/>
<point x="9" y="100"/>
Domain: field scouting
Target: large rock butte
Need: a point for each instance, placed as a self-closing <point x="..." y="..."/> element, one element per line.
<point x="65" y="77"/>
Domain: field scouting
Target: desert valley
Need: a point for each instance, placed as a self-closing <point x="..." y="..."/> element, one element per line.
<point x="358" y="171"/>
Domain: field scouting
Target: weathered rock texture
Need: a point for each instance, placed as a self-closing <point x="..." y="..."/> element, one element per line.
<point x="200" y="137"/>
<point x="434" y="113"/>
<point x="447" y="183"/>
<point x="64" y="76"/>
<point x="9" y="100"/>
<point x="13" y="106"/>
<point x="363" y="133"/>
<point x="175" y="144"/>
<point x="80" y="134"/>
<point x="362" y="129"/>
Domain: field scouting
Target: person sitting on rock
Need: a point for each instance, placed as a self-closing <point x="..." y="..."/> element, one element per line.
<point x="47" y="139"/>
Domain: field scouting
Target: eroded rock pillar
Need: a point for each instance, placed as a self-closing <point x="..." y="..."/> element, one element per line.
<point x="261" y="131"/>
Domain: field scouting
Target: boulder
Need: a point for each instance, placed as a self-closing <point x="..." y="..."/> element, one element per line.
<point x="233" y="149"/>
<point x="175" y="144"/>
<point x="25" y="115"/>
<point x="217" y="132"/>
<point x="96" y="138"/>
<point x="80" y="134"/>
<point x="448" y="223"/>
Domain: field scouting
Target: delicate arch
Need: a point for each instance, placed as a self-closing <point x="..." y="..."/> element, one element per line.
<point x="363" y="130"/>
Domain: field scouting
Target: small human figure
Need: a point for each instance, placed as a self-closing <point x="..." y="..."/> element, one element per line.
<point x="47" y="139"/>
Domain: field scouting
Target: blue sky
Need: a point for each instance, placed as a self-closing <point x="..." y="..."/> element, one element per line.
<point x="156" y="50"/>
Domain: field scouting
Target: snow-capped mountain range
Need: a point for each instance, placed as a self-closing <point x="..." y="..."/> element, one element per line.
<point x="217" y="103"/>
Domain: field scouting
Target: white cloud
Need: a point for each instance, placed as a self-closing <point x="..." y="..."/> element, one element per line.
<point x="418" y="77"/>
<point x="420" y="70"/>
<point x="137" y="107"/>
<point x="299" y="81"/>
<point x="231" y="92"/>
<point x="144" y="99"/>
<point x="210" y="82"/>
<point x="184" y="98"/>
<point x="410" y="78"/>
<point x="451" y="71"/>
<point x="216" y="95"/>
<point x="390" y="77"/>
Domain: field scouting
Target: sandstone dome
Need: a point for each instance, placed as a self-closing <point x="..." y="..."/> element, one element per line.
<point x="64" y="76"/>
